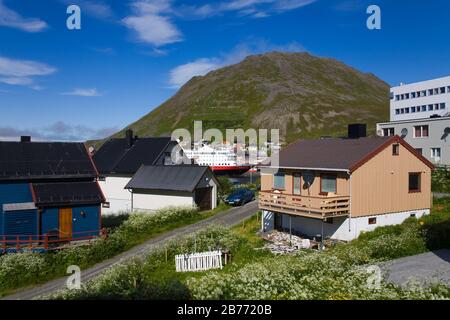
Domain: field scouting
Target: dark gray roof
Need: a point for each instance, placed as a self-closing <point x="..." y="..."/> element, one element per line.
<point x="44" y="160"/>
<point x="116" y="157"/>
<point x="174" y="178"/>
<point x="329" y="153"/>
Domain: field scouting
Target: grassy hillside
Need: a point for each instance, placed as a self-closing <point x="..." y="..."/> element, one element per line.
<point x="300" y="94"/>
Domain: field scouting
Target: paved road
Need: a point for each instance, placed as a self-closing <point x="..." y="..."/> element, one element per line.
<point x="228" y="218"/>
<point x="426" y="268"/>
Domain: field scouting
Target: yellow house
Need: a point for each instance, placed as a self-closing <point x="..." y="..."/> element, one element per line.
<point x="338" y="188"/>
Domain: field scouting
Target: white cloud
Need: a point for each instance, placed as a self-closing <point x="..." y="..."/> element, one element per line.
<point x="22" y="72"/>
<point x="58" y="131"/>
<point x="83" y="92"/>
<point x="10" y="18"/>
<point x="251" y="8"/>
<point x="151" y="24"/>
<point x="181" y="74"/>
<point x="98" y="8"/>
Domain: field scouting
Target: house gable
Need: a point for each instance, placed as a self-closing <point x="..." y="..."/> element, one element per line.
<point x="379" y="185"/>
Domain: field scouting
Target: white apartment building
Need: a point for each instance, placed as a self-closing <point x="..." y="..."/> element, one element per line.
<point x="420" y="100"/>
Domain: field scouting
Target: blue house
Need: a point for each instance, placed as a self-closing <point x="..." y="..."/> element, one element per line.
<point x="49" y="195"/>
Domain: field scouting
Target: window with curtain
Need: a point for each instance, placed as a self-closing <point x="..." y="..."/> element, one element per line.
<point x="278" y="181"/>
<point x="328" y="183"/>
<point x="297" y="183"/>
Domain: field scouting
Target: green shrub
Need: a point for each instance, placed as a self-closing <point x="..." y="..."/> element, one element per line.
<point x="23" y="269"/>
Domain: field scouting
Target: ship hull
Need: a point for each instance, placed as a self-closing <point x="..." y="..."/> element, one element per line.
<point x="230" y="170"/>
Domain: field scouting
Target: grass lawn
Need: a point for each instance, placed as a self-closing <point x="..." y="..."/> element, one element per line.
<point x="336" y="273"/>
<point x="25" y="270"/>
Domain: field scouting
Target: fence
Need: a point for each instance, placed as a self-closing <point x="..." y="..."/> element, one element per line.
<point x="45" y="242"/>
<point x="199" y="261"/>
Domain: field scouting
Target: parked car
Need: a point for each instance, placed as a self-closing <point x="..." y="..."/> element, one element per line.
<point x="240" y="197"/>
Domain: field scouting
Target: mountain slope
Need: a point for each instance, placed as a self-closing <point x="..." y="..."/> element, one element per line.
<point x="302" y="95"/>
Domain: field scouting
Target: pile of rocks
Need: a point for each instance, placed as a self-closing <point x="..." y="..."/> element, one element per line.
<point x="283" y="243"/>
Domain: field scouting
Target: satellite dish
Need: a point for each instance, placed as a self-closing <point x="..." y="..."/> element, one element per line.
<point x="404" y="132"/>
<point x="308" y="178"/>
<point x="446" y="133"/>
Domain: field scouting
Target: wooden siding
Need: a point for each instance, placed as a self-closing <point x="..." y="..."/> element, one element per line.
<point x="381" y="185"/>
<point x="343" y="185"/>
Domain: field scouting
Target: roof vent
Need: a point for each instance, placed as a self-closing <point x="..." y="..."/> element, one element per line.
<point x="25" y="139"/>
<point x="357" y="130"/>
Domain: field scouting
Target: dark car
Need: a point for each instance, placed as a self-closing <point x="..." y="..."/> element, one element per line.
<point x="240" y="197"/>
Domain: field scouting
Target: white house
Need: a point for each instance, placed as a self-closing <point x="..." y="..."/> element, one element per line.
<point x="120" y="158"/>
<point x="155" y="187"/>
<point x="420" y="100"/>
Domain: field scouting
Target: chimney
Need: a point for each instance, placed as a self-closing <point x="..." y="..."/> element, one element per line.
<point x="25" y="139"/>
<point x="357" y="130"/>
<point x="129" y="137"/>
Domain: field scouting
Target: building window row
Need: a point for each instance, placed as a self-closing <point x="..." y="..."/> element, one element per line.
<point x="425" y="108"/>
<point x="421" y="93"/>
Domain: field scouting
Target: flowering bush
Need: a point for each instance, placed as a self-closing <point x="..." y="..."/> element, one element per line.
<point x="22" y="269"/>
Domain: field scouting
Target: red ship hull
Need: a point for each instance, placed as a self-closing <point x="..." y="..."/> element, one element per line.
<point x="230" y="169"/>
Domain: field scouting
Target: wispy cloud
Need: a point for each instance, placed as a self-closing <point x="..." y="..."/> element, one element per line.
<point x="251" y="8"/>
<point x="58" y="131"/>
<point x="179" y="75"/>
<point x="151" y="23"/>
<point x="22" y="72"/>
<point x="98" y="9"/>
<point x="83" y="92"/>
<point x="12" y="19"/>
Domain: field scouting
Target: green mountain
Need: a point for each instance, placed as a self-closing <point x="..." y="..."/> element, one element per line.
<point x="300" y="94"/>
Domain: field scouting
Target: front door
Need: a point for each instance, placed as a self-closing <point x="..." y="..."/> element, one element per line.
<point x="203" y="198"/>
<point x="65" y="223"/>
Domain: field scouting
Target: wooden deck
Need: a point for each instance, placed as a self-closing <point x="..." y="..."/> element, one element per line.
<point x="311" y="207"/>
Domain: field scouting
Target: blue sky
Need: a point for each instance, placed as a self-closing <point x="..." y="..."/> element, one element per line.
<point x="130" y="56"/>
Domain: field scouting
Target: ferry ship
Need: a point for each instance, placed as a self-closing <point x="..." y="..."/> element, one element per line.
<point x="222" y="159"/>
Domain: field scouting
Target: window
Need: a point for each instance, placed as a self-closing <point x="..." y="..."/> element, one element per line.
<point x="419" y="150"/>
<point x="436" y="91"/>
<point x="430" y="107"/>
<point x="442" y="106"/>
<point x="414" y="182"/>
<point x="395" y="149"/>
<point x="424" y="93"/>
<point x="420" y="131"/>
<point x="392" y="96"/>
<point x="388" y="132"/>
<point x="413" y="95"/>
<point x="406" y="110"/>
<point x="278" y="181"/>
<point x="407" y="96"/>
<point x="436" y="153"/>
<point x="436" y="106"/>
<point x="372" y="220"/>
<point x="424" y="108"/>
<point x="397" y="97"/>
<point x="328" y="184"/>
<point x="397" y="111"/>
<point x="448" y="89"/>
<point x="106" y="205"/>
<point x="413" y="109"/>
<point x="297" y="183"/>
<point x="442" y="90"/>
<point x="430" y="92"/>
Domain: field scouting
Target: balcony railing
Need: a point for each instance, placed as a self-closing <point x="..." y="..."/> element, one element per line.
<point x="313" y="207"/>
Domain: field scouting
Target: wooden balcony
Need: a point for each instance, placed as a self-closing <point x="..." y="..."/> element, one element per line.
<point x="312" y="207"/>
